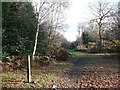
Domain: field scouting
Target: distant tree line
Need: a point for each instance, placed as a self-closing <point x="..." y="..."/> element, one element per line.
<point x="100" y="34"/>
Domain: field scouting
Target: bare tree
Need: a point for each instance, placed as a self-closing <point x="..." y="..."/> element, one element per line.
<point x="47" y="9"/>
<point x="57" y="22"/>
<point x="115" y="22"/>
<point x="101" y="12"/>
<point x="113" y="27"/>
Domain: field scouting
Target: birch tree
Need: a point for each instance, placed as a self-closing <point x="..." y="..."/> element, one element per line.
<point x="46" y="8"/>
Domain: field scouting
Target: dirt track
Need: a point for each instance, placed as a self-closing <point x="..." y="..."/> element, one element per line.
<point x="83" y="72"/>
<point x="101" y="72"/>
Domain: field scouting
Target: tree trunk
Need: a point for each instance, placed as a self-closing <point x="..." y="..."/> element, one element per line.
<point x="36" y="39"/>
<point x="36" y="36"/>
<point x="100" y="37"/>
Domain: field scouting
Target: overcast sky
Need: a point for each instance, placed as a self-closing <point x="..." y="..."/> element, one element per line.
<point x="78" y="12"/>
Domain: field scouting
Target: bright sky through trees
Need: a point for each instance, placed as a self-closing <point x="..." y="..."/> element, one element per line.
<point x="78" y="12"/>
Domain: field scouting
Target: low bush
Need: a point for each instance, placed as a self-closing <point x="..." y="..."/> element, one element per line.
<point x="58" y="53"/>
<point x="62" y="55"/>
<point x="13" y="63"/>
<point x="112" y="46"/>
<point x="82" y="48"/>
<point x="94" y="50"/>
<point x="42" y="60"/>
<point x="18" y="62"/>
<point x="107" y="47"/>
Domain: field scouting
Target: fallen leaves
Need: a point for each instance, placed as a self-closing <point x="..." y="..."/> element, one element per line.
<point x="81" y="73"/>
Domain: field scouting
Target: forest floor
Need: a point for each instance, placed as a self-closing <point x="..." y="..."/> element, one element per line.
<point x="82" y="70"/>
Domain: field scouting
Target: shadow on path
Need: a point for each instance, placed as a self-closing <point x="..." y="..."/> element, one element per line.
<point x="100" y="72"/>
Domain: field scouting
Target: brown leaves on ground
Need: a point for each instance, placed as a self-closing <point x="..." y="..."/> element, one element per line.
<point x="99" y="72"/>
<point x="84" y="72"/>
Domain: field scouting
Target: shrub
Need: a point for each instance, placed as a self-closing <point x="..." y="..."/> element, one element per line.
<point x="82" y="48"/>
<point x="41" y="60"/>
<point x="94" y="50"/>
<point x="12" y="63"/>
<point x="107" y="47"/>
<point x="58" y="53"/>
<point x="112" y="46"/>
<point x="62" y="55"/>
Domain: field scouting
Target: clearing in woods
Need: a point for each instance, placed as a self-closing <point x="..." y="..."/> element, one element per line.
<point x="82" y="70"/>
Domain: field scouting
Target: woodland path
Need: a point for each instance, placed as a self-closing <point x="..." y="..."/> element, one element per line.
<point x="82" y="71"/>
<point x="91" y="72"/>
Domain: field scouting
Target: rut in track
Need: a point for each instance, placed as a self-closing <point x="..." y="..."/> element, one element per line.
<point x="95" y="73"/>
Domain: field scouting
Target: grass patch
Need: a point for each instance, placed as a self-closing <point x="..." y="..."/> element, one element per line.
<point x="100" y="63"/>
<point x="44" y="76"/>
<point x="75" y="52"/>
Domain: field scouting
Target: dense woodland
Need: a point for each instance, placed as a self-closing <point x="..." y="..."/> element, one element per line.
<point x="20" y="24"/>
<point x="29" y="30"/>
<point x="91" y="61"/>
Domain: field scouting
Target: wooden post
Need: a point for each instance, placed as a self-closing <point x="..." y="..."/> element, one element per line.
<point x="28" y="69"/>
